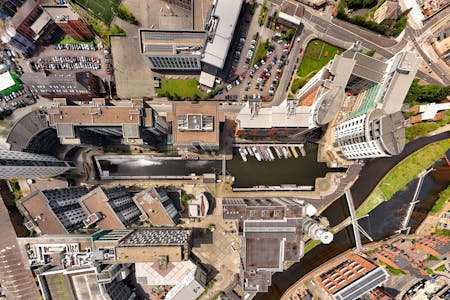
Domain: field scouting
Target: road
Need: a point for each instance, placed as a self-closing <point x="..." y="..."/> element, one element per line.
<point x="441" y="71"/>
<point x="291" y="66"/>
<point x="343" y="34"/>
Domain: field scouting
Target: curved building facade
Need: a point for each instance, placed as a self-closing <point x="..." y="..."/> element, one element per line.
<point x="374" y="134"/>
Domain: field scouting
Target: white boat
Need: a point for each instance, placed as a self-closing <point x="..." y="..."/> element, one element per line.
<point x="257" y="154"/>
<point x="250" y="151"/>
<point x="302" y="150"/>
<point x="278" y="152"/>
<point x="242" y="153"/>
<point x="272" y="157"/>
<point x="286" y="153"/>
<point x="245" y="151"/>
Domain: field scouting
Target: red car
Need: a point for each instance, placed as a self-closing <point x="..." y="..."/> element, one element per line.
<point x="301" y="50"/>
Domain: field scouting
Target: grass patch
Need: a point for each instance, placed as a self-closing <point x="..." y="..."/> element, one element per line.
<point x="444" y="196"/>
<point x="424" y="128"/>
<point x="441" y="268"/>
<point x="429" y="271"/>
<point x="310" y="245"/>
<point x="180" y="89"/>
<point x="445" y="232"/>
<point x="16" y="188"/>
<point x="314" y="58"/>
<point x="402" y="174"/>
<point x="103" y="9"/>
<point x="262" y="50"/>
<point x="70" y="40"/>
<point x="394" y="271"/>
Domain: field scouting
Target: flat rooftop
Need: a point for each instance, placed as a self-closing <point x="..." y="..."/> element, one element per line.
<point x="187" y="137"/>
<point x="293" y="10"/>
<point x="40" y="23"/>
<point x="60" y="13"/>
<point x="156" y="237"/>
<point x="273" y="117"/>
<point x="96" y="201"/>
<point x="226" y="15"/>
<point x="127" y="115"/>
<point x="171" y="42"/>
<point x="263" y="253"/>
<point x="39" y="210"/>
<point x="134" y="79"/>
<point x="61" y="83"/>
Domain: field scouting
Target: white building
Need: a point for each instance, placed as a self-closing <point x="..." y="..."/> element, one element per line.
<point x="15" y="164"/>
<point x="364" y="96"/>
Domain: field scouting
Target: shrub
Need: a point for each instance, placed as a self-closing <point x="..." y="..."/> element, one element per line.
<point x="116" y="30"/>
<point x="125" y="14"/>
<point x="370" y="53"/>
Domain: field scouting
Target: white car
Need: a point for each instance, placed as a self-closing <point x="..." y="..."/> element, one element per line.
<point x="229" y="87"/>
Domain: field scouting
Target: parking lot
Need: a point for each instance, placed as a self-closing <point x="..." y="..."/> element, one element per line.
<point x="253" y="79"/>
<point x="75" y="56"/>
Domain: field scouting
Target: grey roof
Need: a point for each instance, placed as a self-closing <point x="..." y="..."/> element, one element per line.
<point x="227" y="13"/>
<point x="369" y="68"/>
<point x="362" y="285"/>
<point x="393" y="133"/>
<point x="25" y="129"/>
<point x="328" y="105"/>
<point x="164" y="236"/>
<point x="404" y="68"/>
<point x="130" y="131"/>
<point x="65" y="130"/>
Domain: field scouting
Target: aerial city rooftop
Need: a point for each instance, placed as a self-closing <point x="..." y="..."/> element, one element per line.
<point x="224" y="149"/>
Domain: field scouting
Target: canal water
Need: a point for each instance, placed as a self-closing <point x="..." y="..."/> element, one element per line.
<point x="152" y="167"/>
<point x="298" y="171"/>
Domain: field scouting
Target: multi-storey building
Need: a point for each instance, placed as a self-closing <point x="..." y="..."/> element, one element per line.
<point x="373" y="134"/>
<point x="176" y="50"/>
<point x="351" y="279"/>
<point x="177" y="47"/>
<point x="69" y="21"/>
<point x="156" y="207"/>
<point x="99" y="123"/>
<point x="73" y="86"/>
<point x="364" y="96"/>
<point x="286" y="122"/>
<point x="15" y="164"/>
<point x="145" y="245"/>
<point x="54" y="211"/>
<point x="67" y="267"/>
<point x="109" y="208"/>
<point x="31" y="22"/>
<point x="272" y="233"/>
<point x="196" y="126"/>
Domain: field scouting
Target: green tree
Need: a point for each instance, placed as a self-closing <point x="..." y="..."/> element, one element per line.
<point x="289" y="34"/>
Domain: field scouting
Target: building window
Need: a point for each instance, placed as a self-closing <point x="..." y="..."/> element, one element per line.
<point x="277" y="213"/>
<point x="253" y="213"/>
<point x="264" y="213"/>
